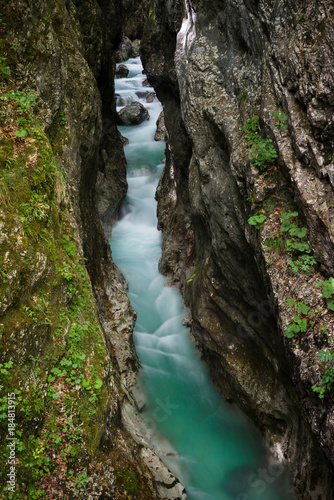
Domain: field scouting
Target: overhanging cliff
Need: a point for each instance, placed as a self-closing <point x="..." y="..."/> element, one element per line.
<point x="215" y="66"/>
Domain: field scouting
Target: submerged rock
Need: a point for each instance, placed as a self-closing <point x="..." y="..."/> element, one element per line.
<point x="122" y="71"/>
<point x="238" y="481"/>
<point x="133" y="114"/>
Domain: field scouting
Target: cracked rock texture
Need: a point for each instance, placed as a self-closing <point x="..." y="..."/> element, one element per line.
<point x="215" y="64"/>
<point x="58" y="281"/>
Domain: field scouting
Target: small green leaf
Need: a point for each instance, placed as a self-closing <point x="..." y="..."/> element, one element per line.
<point x="285" y="226"/>
<point x="303" y="325"/>
<point x="98" y="384"/>
<point x="330" y="304"/>
<point x="20" y="133"/>
<point x="328" y="288"/>
<point x="298" y="232"/>
<point x="291" y="302"/>
<point x="303" y="308"/>
<point x="289" y="215"/>
<point x="291" y="330"/>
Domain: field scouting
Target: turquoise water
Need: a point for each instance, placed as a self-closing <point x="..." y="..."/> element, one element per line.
<point x="217" y="454"/>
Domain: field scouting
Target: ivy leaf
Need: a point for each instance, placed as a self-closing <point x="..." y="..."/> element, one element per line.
<point x="285" y="226"/>
<point x="303" y="325"/>
<point x="291" y="302"/>
<point x="291" y="331"/>
<point x="85" y="383"/>
<point x="98" y="384"/>
<point x="303" y="308"/>
<point x="20" y="133"/>
<point x="298" y="232"/>
<point x="288" y="215"/>
<point x="330" y="304"/>
<point x="328" y="288"/>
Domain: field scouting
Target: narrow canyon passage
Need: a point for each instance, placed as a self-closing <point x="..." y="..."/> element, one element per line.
<point x="208" y="444"/>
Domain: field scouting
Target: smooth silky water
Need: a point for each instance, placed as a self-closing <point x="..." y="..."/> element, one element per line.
<point x="217" y="454"/>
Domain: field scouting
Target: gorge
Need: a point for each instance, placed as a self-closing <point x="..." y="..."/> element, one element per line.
<point x="66" y="323"/>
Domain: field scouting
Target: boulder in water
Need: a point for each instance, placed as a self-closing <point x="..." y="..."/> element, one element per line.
<point x="133" y="114"/>
<point x="122" y="71"/>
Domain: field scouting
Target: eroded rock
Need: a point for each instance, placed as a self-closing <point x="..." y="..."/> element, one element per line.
<point x="133" y="114"/>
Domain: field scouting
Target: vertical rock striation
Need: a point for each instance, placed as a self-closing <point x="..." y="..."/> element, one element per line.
<point x="66" y="334"/>
<point x="214" y="65"/>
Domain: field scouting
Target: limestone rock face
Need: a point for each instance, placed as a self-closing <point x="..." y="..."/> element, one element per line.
<point x="133" y="114"/>
<point x="63" y="302"/>
<point x="214" y="65"/>
<point x="160" y="134"/>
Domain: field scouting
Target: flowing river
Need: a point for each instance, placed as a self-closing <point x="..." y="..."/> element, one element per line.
<point x="218" y="454"/>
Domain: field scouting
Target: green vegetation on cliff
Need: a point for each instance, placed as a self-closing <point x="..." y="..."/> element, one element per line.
<point x="53" y="354"/>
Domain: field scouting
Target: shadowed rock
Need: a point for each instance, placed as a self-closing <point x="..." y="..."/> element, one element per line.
<point x="160" y="134"/>
<point x="122" y="71"/>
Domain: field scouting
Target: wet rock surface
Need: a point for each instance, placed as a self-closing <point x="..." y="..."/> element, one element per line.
<point x="161" y="133"/>
<point x="133" y="114"/>
<point x="122" y="71"/>
<point x="61" y="54"/>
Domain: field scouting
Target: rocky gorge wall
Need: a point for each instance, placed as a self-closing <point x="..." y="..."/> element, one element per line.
<point x="214" y="66"/>
<point x="65" y="320"/>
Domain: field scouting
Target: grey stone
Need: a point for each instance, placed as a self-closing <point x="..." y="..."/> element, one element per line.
<point x="160" y="134"/>
<point x="133" y="114"/>
<point x="122" y="71"/>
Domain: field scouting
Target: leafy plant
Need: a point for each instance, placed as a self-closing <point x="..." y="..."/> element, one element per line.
<point x="328" y="292"/>
<point x="257" y="220"/>
<point x="20" y="133"/>
<point x="305" y="264"/>
<point x="286" y="224"/>
<point x="61" y="119"/>
<point x="4" y="69"/>
<point x="327" y="380"/>
<point x="275" y="243"/>
<point x="24" y="99"/>
<point x="243" y="96"/>
<point x="262" y="151"/>
<point x="299" y="324"/>
<point x="281" y="119"/>
<point x="37" y="208"/>
<point x="295" y="246"/>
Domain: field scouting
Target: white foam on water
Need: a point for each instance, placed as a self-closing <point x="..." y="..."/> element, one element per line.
<point x="214" y="441"/>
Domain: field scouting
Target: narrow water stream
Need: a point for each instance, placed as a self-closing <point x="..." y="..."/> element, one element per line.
<point x="218" y="454"/>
